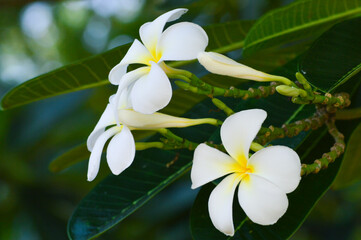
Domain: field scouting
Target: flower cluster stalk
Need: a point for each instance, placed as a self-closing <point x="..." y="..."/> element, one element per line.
<point x="201" y="87"/>
<point x="266" y="135"/>
<point x="336" y="150"/>
<point x="333" y="102"/>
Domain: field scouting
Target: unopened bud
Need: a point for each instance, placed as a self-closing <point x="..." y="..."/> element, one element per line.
<point x="290" y="91"/>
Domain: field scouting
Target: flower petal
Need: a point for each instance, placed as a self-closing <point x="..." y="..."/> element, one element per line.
<point x="278" y="164"/>
<point x="121" y="99"/>
<point x="105" y="120"/>
<point x="220" y="204"/>
<point x="96" y="153"/>
<point x="121" y="151"/>
<point x="156" y="120"/>
<point x="137" y="53"/>
<point x="239" y="130"/>
<point x="220" y="64"/>
<point x="150" y="32"/>
<point x="151" y="92"/>
<point x="209" y="164"/>
<point x="262" y="201"/>
<point x="182" y="41"/>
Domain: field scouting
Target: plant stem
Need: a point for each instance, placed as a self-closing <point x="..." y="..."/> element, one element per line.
<point x="212" y="91"/>
<point x="221" y="105"/>
<point x="146" y="145"/>
<point x="266" y="135"/>
<point x="339" y="100"/>
<point x="336" y="150"/>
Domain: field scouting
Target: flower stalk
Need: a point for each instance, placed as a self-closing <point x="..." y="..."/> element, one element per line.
<point x="266" y="135"/>
<point x="336" y="150"/>
<point x="333" y="102"/>
<point x="221" y="105"/>
<point x="147" y="145"/>
<point x="199" y="87"/>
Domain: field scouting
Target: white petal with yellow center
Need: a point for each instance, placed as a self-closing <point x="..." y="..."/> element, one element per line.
<point x="280" y="165"/>
<point x="210" y="164"/>
<point x="150" y="32"/>
<point x="238" y="132"/>
<point x="121" y="151"/>
<point x="262" y="201"/>
<point x="137" y="53"/>
<point x="182" y="41"/>
<point x="151" y="92"/>
<point x="220" y="204"/>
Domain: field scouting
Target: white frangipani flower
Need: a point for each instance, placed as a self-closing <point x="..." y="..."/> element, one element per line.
<point x="263" y="179"/>
<point x="148" y="88"/>
<point x="121" y="148"/>
<point x="220" y="64"/>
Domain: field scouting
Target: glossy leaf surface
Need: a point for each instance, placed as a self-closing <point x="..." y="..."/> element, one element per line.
<point x="335" y="57"/>
<point x="298" y="22"/>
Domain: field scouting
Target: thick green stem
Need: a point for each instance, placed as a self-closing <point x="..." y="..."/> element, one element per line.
<point x="172" y="141"/>
<point x="336" y="150"/>
<point x="266" y="135"/>
<point x="221" y="105"/>
<point x="212" y="91"/>
<point x="146" y="145"/>
<point x="338" y="101"/>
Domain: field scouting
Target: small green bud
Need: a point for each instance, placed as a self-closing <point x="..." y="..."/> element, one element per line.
<point x="290" y="91"/>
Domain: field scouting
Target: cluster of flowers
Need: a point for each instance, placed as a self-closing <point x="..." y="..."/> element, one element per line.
<point x="262" y="179"/>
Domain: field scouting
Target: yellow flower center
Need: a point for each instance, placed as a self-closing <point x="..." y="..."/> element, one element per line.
<point x="156" y="55"/>
<point x="242" y="167"/>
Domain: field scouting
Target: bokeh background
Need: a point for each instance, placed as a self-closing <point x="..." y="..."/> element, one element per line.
<point x="39" y="36"/>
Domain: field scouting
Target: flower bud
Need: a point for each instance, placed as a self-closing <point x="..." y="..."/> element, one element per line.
<point x="290" y="91"/>
<point x="220" y="64"/>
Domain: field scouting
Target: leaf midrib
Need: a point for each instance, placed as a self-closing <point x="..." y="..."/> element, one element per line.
<point x="310" y="24"/>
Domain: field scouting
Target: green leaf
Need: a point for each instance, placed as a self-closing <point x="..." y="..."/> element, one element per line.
<point x="93" y="72"/>
<point x="351" y="164"/>
<point x="118" y="196"/>
<point x="335" y="57"/>
<point x="87" y="73"/>
<point x="74" y="155"/>
<point x="299" y="21"/>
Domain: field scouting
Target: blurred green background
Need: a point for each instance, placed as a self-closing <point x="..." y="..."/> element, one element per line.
<point x="36" y="37"/>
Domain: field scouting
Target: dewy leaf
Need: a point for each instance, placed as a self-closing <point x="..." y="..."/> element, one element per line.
<point x="298" y="21"/>
<point x="334" y="57"/>
<point x="93" y="72"/>
<point x="351" y="165"/>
